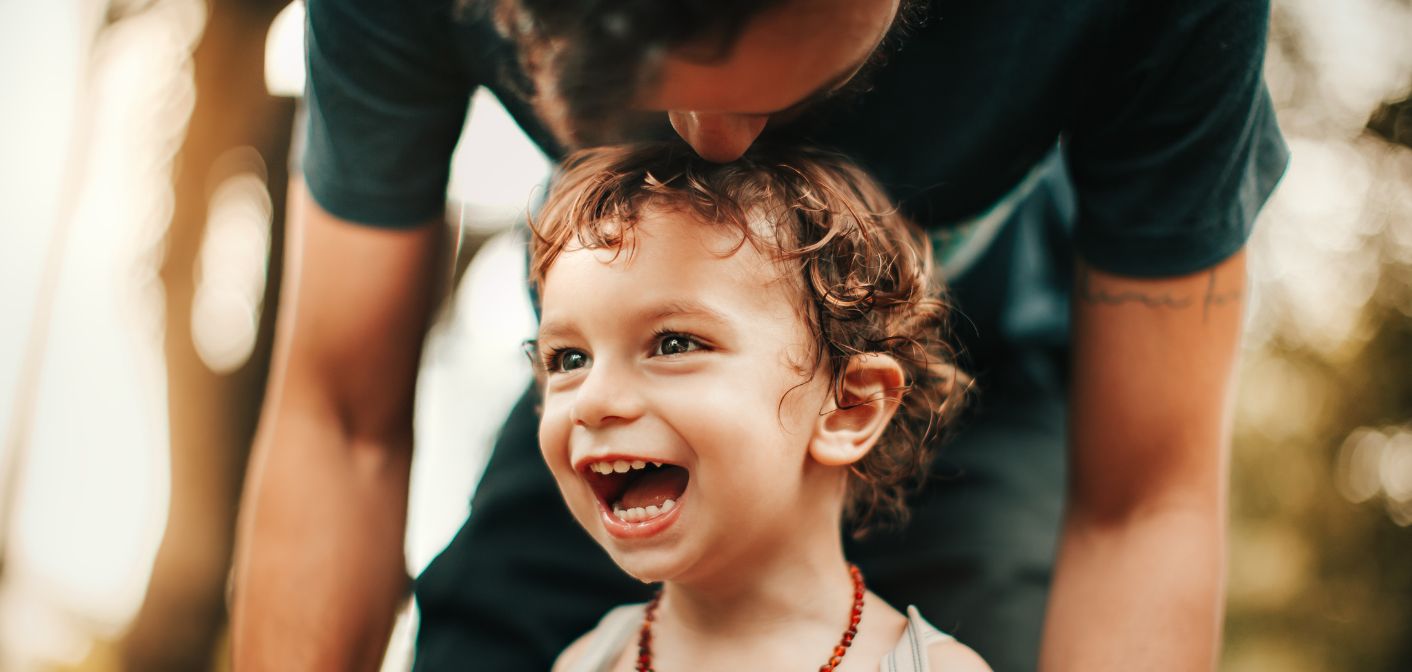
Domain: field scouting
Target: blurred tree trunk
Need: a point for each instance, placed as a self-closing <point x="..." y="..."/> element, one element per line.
<point x="212" y="416"/>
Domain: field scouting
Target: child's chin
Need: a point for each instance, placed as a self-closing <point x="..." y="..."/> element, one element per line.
<point x="647" y="567"/>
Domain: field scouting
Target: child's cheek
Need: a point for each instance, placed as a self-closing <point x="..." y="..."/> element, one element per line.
<point x="554" y="428"/>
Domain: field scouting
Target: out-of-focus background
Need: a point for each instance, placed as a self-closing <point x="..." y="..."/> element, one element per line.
<point x="143" y="154"/>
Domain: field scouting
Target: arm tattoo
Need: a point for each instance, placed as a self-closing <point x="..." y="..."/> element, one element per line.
<point x="1211" y="299"/>
<point x="1216" y="299"/>
<point x="1164" y="300"/>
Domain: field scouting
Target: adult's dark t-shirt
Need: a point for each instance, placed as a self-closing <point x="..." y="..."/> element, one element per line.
<point x="1168" y="144"/>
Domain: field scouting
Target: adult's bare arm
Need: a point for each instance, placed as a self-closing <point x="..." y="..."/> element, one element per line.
<point x="1140" y="574"/>
<point x="320" y="568"/>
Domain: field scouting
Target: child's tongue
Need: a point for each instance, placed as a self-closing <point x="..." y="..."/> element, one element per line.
<point x="655" y="487"/>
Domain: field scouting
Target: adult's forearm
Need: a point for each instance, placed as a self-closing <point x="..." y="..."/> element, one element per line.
<point x="1142" y="593"/>
<point x="321" y="569"/>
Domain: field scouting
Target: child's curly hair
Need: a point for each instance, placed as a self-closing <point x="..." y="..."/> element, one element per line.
<point x="865" y="268"/>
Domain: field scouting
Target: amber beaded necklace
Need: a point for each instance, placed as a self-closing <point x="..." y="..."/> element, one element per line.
<point x="644" y="640"/>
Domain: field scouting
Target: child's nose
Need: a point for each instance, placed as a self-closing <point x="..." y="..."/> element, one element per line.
<point x="608" y="395"/>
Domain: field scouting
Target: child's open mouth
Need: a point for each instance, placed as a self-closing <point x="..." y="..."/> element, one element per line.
<point x="636" y="493"/>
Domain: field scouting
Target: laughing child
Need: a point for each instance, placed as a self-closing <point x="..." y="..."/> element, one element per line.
<point x="735" y="360"/>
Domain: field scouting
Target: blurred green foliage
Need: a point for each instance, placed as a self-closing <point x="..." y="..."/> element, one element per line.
<point x="1321" y="548"/>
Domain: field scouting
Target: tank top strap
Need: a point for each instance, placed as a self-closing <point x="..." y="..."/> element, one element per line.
<point x="910" y="654"/>
<point x="612" y="633"/>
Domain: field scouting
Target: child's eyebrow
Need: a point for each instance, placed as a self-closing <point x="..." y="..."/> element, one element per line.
<point x="549" y="331"/>
<point x="685" y="309"/>
<point x="559" y="330"/>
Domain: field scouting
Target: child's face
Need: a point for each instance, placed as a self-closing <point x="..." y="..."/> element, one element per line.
<point x="686" y="354"/>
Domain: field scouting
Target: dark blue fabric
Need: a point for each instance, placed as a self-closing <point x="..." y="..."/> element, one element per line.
<point x="385" y="108"/>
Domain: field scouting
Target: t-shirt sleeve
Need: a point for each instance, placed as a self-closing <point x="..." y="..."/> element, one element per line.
<point x="385" y="104"/>
<point x="1175" y="148"/>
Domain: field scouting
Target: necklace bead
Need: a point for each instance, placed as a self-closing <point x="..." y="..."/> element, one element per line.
<point x="855" y="616"/>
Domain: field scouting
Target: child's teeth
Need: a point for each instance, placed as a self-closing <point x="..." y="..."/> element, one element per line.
<point x="638" y="514"/>
<point x="621" y="466"/>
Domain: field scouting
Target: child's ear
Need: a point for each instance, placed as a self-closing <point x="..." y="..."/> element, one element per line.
<point x="872" y="388"/>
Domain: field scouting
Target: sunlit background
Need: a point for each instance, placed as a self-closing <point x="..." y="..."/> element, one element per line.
<point x="144" y="147"/>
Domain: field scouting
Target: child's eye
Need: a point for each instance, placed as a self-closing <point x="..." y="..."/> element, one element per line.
<point x="566" y="360"/>
<point x="676" y="344"/>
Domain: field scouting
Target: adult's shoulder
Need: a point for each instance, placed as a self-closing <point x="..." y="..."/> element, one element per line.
<point x="1173" y="145"/>
<point x="386" y="99"/>
<point x="409" y="26"/>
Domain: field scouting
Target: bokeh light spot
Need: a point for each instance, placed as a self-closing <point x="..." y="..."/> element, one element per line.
<point x="232" y="268"/>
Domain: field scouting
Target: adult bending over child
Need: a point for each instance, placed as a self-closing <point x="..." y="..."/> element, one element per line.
<point x="1089" y="170"/>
